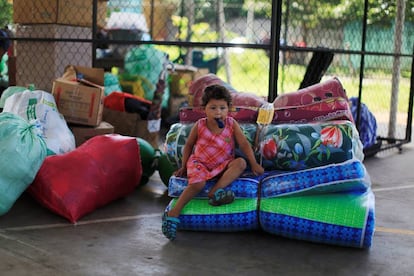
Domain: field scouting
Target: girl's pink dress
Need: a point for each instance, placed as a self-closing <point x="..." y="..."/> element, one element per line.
<point x="212" y="152"/>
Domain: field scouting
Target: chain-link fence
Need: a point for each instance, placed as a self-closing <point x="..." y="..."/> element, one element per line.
<point x="264" y="47"/>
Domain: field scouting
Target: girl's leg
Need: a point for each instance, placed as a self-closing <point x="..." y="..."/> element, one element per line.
<point x="235" y="168"/>
<point x="189" y="192"/>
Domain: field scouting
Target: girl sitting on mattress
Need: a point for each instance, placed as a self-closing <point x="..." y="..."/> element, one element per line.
<point x="209" y="153"/>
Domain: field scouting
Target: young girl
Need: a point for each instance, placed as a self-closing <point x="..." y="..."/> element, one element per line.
<point x="209" y="153"/>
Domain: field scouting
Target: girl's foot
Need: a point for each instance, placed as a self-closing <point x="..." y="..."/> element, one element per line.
<point x="169" y="226"/>
<point x="221" y="197"/>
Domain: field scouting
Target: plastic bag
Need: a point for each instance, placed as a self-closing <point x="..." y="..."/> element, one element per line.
<point x="368" y="123"/>
<point x="148" y="63"/>
<point x="111" y="83"/>
<point x="23" y="152"/>
<point x="11" y="90"/>
<point x="41" y="106"/>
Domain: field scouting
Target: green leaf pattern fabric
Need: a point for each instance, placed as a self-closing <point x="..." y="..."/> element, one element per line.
<point x="286" y="146"/>
<point x="302" y="146"/>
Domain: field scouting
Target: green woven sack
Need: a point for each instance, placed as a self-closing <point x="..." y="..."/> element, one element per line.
<point x="111" y="83"/>
<point x="147" y="62"/>
<point x="25" y="151"/>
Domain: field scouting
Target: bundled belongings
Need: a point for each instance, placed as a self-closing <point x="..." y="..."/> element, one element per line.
<point x="143" y="66"/>
<point x="315" y="186"/>
<point x="101" y="170"/>
<point x="332" y="204"/>
<point x="125" y="102"/>
<point x="198" y="215"/>
<point x="324" y="101"/>
<point x="23" y="151"/>
<point x="40" y="106"/>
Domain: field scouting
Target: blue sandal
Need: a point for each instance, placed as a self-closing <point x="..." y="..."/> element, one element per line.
<point x="222" y="197"/>
<point x="169" y="226"/>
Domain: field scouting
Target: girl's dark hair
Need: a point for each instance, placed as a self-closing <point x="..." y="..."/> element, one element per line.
<point x="217" y="92"/>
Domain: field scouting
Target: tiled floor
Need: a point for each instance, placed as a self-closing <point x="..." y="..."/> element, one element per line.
<point x="124" y="238"/>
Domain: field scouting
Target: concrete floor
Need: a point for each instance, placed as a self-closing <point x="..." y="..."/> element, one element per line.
<point x="124" y="238"/>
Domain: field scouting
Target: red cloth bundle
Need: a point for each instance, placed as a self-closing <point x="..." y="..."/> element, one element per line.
<point x="103" y="169"/>
<point x="331" y="88"/>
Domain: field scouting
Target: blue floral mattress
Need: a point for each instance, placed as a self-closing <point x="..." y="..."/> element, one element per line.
<point x="286" y="147"/>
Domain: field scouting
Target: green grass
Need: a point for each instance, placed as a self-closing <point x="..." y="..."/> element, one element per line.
<point x="251" y="74"/>
<point x="249" y="71"/>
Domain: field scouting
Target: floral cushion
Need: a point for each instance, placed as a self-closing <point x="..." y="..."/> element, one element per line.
<point x="302" y="146"/>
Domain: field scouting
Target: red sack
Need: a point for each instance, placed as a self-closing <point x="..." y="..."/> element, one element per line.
<point x="102" y="169"/>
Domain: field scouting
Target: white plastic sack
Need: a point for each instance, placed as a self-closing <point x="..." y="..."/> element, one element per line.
<point x="40" y="106"/>
<point x="10" y="91"/>
<point x="127" y="21"/>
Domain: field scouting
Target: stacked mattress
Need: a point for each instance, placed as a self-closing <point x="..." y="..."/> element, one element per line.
<point x="315" y="187"/>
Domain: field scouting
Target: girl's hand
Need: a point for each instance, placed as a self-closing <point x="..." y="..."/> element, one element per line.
<point x="181" y="172"/>
<point x="257" y="169"/>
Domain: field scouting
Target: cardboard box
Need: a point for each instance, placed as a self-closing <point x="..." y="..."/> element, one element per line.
<point x="41" y="62"/>
<point x="79" y="13"/>
<point x="175" y="103"/>
<point x="182" y="77"/>
<point x="81" y="103"/>
<point x="35" y="11"/>
<point x="74" y="12"/>
<point x="130" y="124"/>
<point x="83" y="133"/>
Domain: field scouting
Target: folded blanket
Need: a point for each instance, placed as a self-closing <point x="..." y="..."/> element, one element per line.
<point x="343" y="177"/>
<point x="302" y="146"/>
<point x="345" y="219"/>
<point x="318" y="92"/>
<point x="243" y="114"/>
<point x="330" y="204"/>
<point x="198" y="215"/>
<point x="325" y="110"/>
<point x="243" y="187"/>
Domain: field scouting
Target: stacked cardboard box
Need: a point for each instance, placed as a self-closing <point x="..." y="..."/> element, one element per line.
<point x="181" y="79"/>
<point x="80" y="101"/>
<point x="74" y="12"/>
<point x="83" y="133"/>
<point x="40" y="62"/>
<point x="131" y="124"/>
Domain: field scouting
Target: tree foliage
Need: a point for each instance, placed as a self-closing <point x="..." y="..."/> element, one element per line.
<point x="5" y="13"/>
<point x="315" y="13"/>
